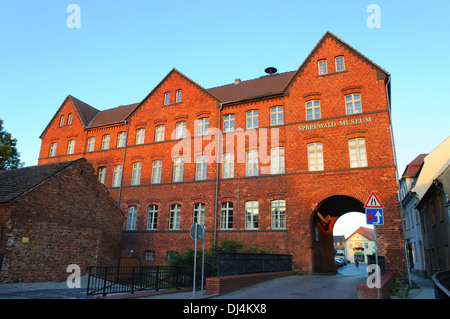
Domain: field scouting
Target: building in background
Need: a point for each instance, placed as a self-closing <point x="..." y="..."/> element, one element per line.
<point x="273" y="160"/>
<point x="359" y="244"/>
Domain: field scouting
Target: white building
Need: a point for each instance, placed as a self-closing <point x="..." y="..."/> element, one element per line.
<point x="359" y="244"/>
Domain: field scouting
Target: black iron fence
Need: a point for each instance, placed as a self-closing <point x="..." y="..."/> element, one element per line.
<point x="103" y="280"/>
<point x="441" y="282"/>
<point x="248" y="263"/>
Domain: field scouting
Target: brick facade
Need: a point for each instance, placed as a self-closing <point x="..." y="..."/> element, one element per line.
<point x="69" y="218"/>
<point x="332" y="190"/>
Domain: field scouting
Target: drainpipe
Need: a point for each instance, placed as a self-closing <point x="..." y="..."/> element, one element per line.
<point x="218" y="160"/>
<point x="123" y="164"/>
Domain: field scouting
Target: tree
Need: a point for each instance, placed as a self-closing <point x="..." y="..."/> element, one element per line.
<point x="9" y="157"/>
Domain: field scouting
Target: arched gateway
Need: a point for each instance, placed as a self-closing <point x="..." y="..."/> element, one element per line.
<point x="323" y="220"/>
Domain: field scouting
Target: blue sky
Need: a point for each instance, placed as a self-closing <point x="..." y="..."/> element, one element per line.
<point x="124" y="48"/>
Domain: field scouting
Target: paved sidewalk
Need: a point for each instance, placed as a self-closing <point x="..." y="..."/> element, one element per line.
<point x="425" y="288"/>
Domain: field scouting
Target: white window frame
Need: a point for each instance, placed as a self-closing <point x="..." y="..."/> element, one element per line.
<point x="69" y="119"/>
<point x="203" y="126"/>
<point x="252" y="119"/>
<point x="53" y="147"/>
<point x="357" y="152"/>
<point x="159" y="133"/>
<point x="251" y="163"/>
<point x="152" y="217"/>
<point x="156" y="172"/>
<point x="226" y="215"/>
<point x="61" y="120"/>
<point x="228" y="123"/>
<point x="178" y="96"/>
<point x="313" y="111"/>
<point x="199" y="213"/>
<point x="251" y="215"/>
<point x="353" y="104"/>
<point x="277" y="115"/>
<point x="322" y="64"/>
<point x="71" y="147"/>
<point x="131" y="217"/>
<point x="174" y="217"/>
<point x="140" y="136"/>
<point x="228" y="165"/>
<point x="180" y="130"/>
<point x="278" y="214"/>
<point x="178" y="168"/>
<point x="277" y="160"/>
<point x="121" y="137"/>
<point x="201" y="167"/>
<point x="167" y="98"/>
<point x="117" y="176"/>
<point x="105" y="141"/>
<point x="136" y="174"/>
<point x="102" y="174"/>
<point x="340" y="63"/>
<point x="91" y="144"/>
<point x="315" y="157"/>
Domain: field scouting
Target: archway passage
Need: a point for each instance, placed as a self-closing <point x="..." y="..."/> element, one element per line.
<point x="323" y="220"/>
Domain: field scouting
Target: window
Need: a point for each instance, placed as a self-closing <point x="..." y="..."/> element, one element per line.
<point x="323" y="67"/>
<point x="228" y="123"/>
<point x="152" y="217"/>
<point x="180" y="130"/>
<point x="228" y="165"/>
<point x="277" y="160"/>
<point x="226" y="215"/>
<point x="52" y="149"/>
<point x="159" y="133"/>
<point x="156" y="172"/>
<point x="167" y="98"/>
<point x="201" y="163"/>
<point x="252" y="119"/>
<point x="178" y="167"/>
<point x="313" y="110"/>
<point x="61" y="121"/>
<point x="149" y="255"/>
<point x="117" y="177"/>
<point x="252" y="163"/>
<point x="136" y="175"/>
<point x="69" y="119"/>
<point x="315" y="157"/>
<point x="121" y="139"/>
<point x="174" y="218"/>
<point x="102" y="174"/>
<point x="199" y="213"/>
<point x="131" y="218"/>
<point x="353" y="104"/>
<point x="178" y="96"/>
<point x="276" y="115"/>
<point x="278" y="215"/>
<point x="357" y="150"/>
<point x="105" y="142"/>
<point x="140" y="136"/>
<point x="340" y="63"/>
<point x="203" y="126"/>
<point x="251" y="215"/>
<point x="71" y="147"/>
<point x="91" y="144"/>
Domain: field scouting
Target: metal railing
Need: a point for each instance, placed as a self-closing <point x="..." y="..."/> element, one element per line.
<point x="249" y="263"/>
<point x="441" y="281"/>
<point x="129" y="279"/>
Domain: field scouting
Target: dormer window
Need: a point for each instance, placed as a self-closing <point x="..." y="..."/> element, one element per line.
<point x="167" y="98"/>
<point x="323" y="67"/>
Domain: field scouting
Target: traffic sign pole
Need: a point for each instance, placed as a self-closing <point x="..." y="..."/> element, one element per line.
<point x="195" y="258"/>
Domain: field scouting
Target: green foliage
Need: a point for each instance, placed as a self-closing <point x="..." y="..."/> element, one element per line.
<point x="225" y="246"/>
<point x="9" y="157"/>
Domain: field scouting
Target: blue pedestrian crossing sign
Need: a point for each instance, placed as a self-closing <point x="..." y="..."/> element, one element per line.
<point x="374" y="216"/>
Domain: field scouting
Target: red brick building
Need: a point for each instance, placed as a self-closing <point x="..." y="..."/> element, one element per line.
<point x="296" y="150"/>
<point x="52" y="216"/>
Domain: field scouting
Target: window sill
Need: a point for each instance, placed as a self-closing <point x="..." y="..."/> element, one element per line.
<point x="338" y="72"/>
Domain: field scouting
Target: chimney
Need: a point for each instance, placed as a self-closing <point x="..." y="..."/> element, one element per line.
<point x="237" y="81"/>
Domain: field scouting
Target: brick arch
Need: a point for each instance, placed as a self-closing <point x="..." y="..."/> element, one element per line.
<point x="323" y="218"/>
